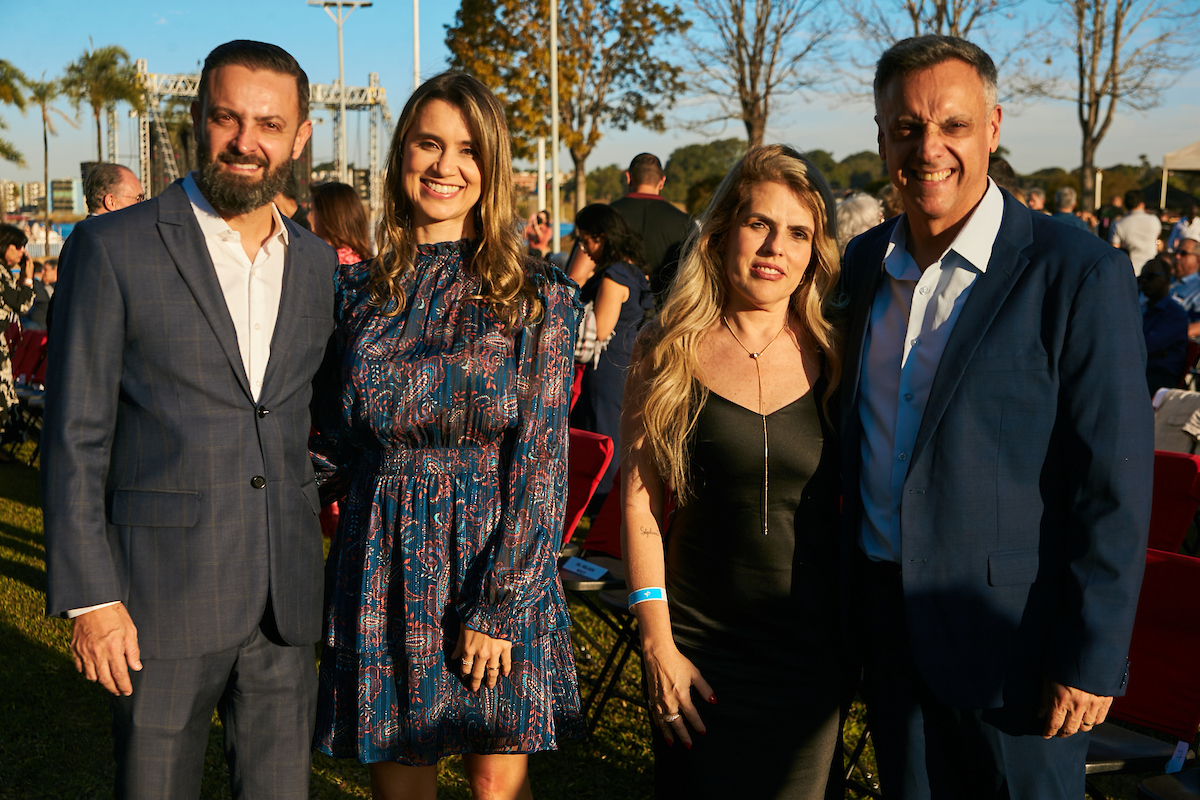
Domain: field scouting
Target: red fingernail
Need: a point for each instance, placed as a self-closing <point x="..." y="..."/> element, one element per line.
<point x="712" y="698"/>
<point x="670" y="742"/>
<point x="688" y="745"/>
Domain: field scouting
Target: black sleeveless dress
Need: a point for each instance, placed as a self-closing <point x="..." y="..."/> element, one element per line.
<point x="757" y="615"/>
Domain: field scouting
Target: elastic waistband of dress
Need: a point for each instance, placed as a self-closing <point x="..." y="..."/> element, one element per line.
<point x="439" y="460"/>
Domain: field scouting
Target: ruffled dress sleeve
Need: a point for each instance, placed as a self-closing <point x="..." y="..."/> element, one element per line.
<point x="519" y="576"/>
<point x="333" y="452"/>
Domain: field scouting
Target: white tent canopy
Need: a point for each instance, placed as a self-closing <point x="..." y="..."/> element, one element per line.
<point x="1186" y="159"/>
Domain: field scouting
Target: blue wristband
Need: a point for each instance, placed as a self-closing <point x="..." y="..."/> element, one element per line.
<point x="642" y="595"/>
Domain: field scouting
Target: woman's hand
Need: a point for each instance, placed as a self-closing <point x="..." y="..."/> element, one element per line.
<point x="670" y="678"/>
<point x="481" y="659"/>
<point x="27" y="268"/>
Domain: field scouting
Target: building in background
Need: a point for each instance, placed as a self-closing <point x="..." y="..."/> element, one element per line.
<point x="66" y="195"/>
<point x="32" y="195"/>
<point x="10" y="196"/>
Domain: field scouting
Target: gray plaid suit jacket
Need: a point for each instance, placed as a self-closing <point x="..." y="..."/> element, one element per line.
<point x="164" y="485"/>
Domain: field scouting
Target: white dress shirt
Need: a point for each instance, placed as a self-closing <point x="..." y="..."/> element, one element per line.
<point x="911" y="319"/>
<point x="252" y="290"/>
<point x="1138" y="232"/>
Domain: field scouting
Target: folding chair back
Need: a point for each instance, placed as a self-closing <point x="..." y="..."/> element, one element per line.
<point x="1176" y="498"/>
<point x="605" y="534"/>
<point x="29" y="354"/>
<point x="1164" y="654"/>
<point x="590" y="454"/>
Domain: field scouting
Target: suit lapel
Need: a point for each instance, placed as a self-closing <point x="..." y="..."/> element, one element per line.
<point x="184" y="241"/>
<point x="862" y="292"/>
<point x="989" y="292"/>
<point x="287" y="320"/>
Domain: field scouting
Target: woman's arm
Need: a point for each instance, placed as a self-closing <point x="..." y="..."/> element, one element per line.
<point x="609" y="300"/>
<point x="670" y="676"/>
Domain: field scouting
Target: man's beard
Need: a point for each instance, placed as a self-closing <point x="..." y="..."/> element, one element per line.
<point x="234" y="194"/>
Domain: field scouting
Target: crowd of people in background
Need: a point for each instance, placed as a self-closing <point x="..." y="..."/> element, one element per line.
<point x="768" y="364"/>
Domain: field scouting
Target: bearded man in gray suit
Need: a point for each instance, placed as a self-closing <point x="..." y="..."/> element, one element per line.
<point x="180" y="508"/>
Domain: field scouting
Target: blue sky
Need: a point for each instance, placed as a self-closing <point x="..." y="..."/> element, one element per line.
<point x="44" y="35"/>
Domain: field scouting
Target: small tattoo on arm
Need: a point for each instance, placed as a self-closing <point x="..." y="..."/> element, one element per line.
<point x="648" y="532"/>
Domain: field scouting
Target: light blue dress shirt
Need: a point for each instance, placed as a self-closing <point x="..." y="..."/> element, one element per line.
<point x="911" y="319"/>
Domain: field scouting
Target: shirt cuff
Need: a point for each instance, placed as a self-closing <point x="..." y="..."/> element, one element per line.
<point x="78" y="612"/>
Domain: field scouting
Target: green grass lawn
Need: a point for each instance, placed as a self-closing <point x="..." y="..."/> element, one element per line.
<point x="54" y="734"/>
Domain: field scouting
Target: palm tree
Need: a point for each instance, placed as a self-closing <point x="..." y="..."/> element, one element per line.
<point x="11" y="81"/>
<point x="101" y="77"/>
<point x="42" y="93"/>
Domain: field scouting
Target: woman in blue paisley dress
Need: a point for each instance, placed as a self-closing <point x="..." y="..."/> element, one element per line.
<point x="445" y="432"/>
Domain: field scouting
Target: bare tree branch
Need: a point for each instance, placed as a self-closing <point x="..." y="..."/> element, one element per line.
<point x="747" y="53"/>
<point x="1122" y="53"/>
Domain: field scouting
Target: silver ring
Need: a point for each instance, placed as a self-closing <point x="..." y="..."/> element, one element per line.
<point x="466" y="662"/>
<point x="669" y="718"/>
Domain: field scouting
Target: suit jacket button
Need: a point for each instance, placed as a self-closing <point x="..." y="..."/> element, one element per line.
<point x="263" y="411"/>
<point x="258" y="481"/>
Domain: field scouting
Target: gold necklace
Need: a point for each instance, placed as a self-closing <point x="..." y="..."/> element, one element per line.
<point x="761" y="408"/>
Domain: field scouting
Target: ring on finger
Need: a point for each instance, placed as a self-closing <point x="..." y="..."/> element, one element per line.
<point x="669" y="718"/>
<point x="493" y="669"/>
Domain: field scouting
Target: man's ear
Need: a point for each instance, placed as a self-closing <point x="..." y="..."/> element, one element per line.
<point x="628" y="184"/>
<point x="302" y="135"/>
<point x="661" y="183"/>
<point x="108" y="203"/>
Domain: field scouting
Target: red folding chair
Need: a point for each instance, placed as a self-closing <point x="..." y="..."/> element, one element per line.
<point x="590" y="454"/>
<point x="1163" y="693"/>
<point x="1176" y="498"/>
<point x="577" y="384"/>
<point x="28" y="355"/>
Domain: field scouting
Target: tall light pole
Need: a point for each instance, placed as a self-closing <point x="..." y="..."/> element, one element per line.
<point x="416" y="44"/>
<point x="343" y="171"/>
<point x="556" y="245"/>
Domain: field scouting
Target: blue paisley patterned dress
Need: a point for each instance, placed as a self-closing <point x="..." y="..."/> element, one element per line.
<point x="449" y="447"/>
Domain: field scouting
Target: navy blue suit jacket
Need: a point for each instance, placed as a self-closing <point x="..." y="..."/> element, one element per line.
<point x="164" y="483"/>
<point x="1026" y="507"/>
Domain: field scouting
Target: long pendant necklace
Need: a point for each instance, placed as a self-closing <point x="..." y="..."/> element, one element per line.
<point x="761" y="408"/>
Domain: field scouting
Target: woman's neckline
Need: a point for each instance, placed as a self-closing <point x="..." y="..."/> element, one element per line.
<point x="783" y="407"/>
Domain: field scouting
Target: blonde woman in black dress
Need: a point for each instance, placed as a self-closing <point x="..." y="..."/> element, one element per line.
<point x="727" y="404"/>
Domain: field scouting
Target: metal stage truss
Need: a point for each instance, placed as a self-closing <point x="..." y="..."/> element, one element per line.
<point x="371" y="98"/>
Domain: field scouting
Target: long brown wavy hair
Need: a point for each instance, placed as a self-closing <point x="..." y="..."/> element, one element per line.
<point x="499" y="258"/>
<point x="671" y="397"/>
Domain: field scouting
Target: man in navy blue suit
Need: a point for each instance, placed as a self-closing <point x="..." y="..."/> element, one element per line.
<point x="997" y="455"/>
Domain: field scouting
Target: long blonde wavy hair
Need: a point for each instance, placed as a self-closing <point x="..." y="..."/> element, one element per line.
<point x="499" y="260"/>
<point x="671" y="397"/>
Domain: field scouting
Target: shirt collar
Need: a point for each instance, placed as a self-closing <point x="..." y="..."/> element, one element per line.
<point x="974" y="242"/>
<point x="213" y="224"/>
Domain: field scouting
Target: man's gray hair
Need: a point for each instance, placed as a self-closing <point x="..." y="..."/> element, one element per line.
<point x="1037" y="191"/>
<point x="101" y="181"/>
<point x="923" y="52"/>
<point x="1065" y="198"/>
<point x="856" y="214"/>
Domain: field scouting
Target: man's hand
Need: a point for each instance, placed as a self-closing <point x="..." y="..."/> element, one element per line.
<point x="104" y="643"/>
<point x="1068" y="710"/>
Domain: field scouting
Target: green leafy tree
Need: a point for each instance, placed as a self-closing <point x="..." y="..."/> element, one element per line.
<point x="605" y="184"/>
<point x="11" y="82"/>
<point x="101" y="77"/>
<point x="699" y="162"/>
<point x="42" y="94"/>
<point x="610" y="72"/>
